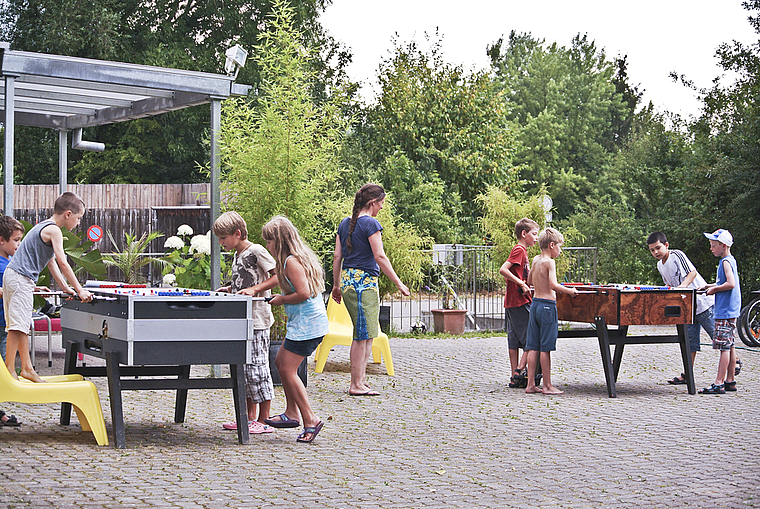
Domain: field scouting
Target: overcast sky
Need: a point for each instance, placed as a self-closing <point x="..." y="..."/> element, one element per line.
<point x="658" y="36"/>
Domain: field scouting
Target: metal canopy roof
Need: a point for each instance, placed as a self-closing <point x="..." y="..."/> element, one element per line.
<point x="61" y="92"/>
<point x="68" y="94"/>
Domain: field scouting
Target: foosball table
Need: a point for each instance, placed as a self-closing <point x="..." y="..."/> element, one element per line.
<point x="159" y="332"/>
<point x="623" y="306"/>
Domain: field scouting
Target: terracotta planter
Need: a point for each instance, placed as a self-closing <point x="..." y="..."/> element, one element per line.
<point x="450" y="321"/>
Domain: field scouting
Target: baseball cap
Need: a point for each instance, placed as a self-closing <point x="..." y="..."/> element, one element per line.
<point x="721" y="235"/>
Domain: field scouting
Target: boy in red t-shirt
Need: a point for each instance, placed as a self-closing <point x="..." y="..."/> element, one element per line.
<point x="517" y="299"/>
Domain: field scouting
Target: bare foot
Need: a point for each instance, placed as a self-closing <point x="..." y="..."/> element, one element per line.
<point x="32" y="376"/>
<point x="551" y="390"/>
<point x="532" y="390"/>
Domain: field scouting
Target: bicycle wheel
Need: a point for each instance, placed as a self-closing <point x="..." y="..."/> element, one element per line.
<point x="750" y="322"/>
<point x="743" y="333"/>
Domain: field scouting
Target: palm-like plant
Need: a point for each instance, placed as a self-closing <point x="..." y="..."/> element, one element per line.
<point x="132" y="258"/>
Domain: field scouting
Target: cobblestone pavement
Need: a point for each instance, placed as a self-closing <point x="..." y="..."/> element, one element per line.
<point x="446" y="432"/>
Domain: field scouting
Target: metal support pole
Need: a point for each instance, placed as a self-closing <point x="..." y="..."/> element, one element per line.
<point x="216" y="255"/>
<point x="10" y="125"/>
<point x="63" y="161"/>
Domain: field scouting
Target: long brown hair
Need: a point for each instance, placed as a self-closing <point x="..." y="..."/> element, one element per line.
<point x="287" y="242"/>
<point x="366" y="194"/>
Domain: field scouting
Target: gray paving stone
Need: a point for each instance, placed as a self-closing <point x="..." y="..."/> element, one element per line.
<point x="446" y="432"/>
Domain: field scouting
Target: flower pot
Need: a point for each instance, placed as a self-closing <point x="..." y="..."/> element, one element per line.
<point x="450" y="321"/>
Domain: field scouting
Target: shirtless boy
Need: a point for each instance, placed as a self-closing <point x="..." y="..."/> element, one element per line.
<point x="542" y="325"/>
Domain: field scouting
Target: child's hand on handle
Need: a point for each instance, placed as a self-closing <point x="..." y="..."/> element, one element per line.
<point x="84" y="295"/>
<point x="276" y="300"/>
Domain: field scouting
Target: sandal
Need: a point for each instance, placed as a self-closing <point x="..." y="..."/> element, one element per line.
<point x="713" y="389"/>
<point x="312" y="432"/>
<point x="730" y="386"/>
<point x="283" y="421"/>
<point x="738" y="368"/>
<point x="678" y="380"/>
<point x="11" y="421"/>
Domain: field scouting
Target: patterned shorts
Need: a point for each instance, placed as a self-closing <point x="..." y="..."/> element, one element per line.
<point x="258" y="379"/>
<point x="725" y="332"/>
<point x="362" y="299"/>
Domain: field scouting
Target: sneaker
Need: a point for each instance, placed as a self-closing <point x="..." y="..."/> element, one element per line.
<point x="255" y="428"/>
<point x="730" y="386"/>
<point x="713" y="389"/>
<point x="738" y="368"/>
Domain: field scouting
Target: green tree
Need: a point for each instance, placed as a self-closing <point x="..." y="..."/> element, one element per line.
<point x="451" y="128"/>
<point x="569" y="105"/>
<point x="281" y="158"/>
<point x="170" y="33"/>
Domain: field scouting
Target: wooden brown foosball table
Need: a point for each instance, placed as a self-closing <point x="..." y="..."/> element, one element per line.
<point x="623" y="306"/>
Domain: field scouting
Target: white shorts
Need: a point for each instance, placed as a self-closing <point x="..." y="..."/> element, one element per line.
<point x="18" y="301"/>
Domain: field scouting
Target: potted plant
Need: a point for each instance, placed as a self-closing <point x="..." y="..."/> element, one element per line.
<point x="448" y="318"/>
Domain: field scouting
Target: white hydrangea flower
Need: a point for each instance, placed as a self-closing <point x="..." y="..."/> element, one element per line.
<point x="170" y="279"/>
<point x="174" y="242"/>
<point x="184" y="230"/>
<point x="200" y="244"/>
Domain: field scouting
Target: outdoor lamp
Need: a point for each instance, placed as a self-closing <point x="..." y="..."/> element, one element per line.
<point x="236" y="56"/>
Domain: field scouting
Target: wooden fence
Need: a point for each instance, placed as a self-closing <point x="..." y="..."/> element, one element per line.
<point x="124" y="208"/>
<point x="114" y="196"/>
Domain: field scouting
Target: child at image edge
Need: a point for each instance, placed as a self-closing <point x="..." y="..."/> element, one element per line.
<point x="302" y="281"/>
<point x="252" y="274"/>
<point x="543" y="325"/>
<point x="517" y="298"/>
<point x="43" y="245"/>
<point x="728" y="304"/>
<point x="11" y="232"/>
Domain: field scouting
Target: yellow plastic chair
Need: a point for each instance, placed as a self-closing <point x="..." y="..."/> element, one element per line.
<point x="342" y="333"/>
<point x="82" y="395"/>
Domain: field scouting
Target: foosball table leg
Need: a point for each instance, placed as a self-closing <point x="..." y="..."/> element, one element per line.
<point x="181" y="403"/>
<point x="604" y="347"/>
<point x="688" y="368"/>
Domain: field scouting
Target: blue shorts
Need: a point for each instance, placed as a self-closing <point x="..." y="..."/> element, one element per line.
<point x="302" y="348"/>
<point x="703" y="320"/>
<point x="542" y="326"/>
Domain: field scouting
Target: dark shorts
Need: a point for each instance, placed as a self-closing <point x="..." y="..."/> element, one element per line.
<point x="517" y="326"/>
<point x="542" y="326"/>
<point x="302" y="348"/>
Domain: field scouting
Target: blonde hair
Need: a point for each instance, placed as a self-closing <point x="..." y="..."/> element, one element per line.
<point x="230" y="222"/>
<point x="287" y="242"/>
<point x="548" y="236"/>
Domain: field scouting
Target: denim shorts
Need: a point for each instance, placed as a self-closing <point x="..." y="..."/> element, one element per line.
<point x="703" y="320"/>
<point x="302" y="348"/>
<point x="542" y="327"/>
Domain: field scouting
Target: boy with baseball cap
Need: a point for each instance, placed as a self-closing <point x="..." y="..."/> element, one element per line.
<point x="728" y="303"/>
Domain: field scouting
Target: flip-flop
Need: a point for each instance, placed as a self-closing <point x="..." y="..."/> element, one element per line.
<point x="283" y="422"/>
<point x="312" y="431"/>
<point x="370" y="392"/>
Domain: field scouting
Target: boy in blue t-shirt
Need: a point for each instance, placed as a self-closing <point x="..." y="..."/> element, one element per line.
<point x="11" y="233"/>
<point x="728" y="304"/>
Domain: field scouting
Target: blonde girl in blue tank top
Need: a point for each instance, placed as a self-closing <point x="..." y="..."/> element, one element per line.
<point x="302" y="281"/>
